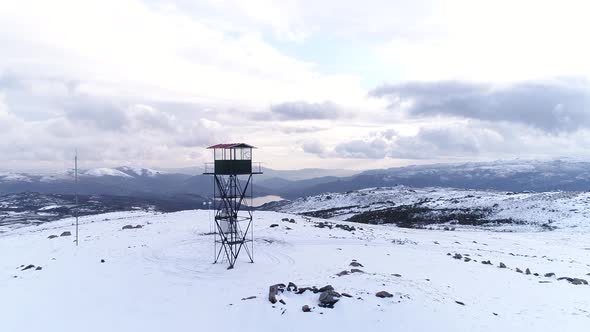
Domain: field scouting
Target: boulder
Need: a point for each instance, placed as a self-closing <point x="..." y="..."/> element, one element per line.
<point x="273" y="291"/>
<point x="342" y="273"/>
<point x="306" y="308"/>
<point x="357" y="271"/>
<point x="127" y="227"/>
<point x="285" y="219"/>
<point x="457" y="256"/>
<point x="102" y="260"/>
<point x="518" y="270"/>
<point x="52" y="236"/>
<point x="38" y="268"/>
<point x="328" y="299"/>
<point x="549" y="275"/>
<point x="502" y="265"/>
<point x="274" y="225"/>
<point x="292" y="221"/>
<point x="527" y="271"/>
<point x="66" y="233"/>
<point x="356" y="264"/>
<point x="575" y="281"/>
<point x="30" y="266"/>
<point x="346" y="295"/>
<point x="466" y="259"/>
<point x="291" y="286"/>
<point x="326" y="288"/>
<point x="486" y="262"/>
<point x="383" y="294"/>
<point x="459" y="303"/>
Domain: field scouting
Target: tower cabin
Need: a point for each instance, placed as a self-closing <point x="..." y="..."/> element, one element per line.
<point x="232" y="159"/>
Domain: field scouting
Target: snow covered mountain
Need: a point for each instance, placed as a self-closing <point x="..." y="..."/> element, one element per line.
<point x="447" y="208"/>
<point x="160" y="277"/>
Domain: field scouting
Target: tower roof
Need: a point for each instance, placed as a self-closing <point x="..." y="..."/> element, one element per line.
<point x="231" y="146"/>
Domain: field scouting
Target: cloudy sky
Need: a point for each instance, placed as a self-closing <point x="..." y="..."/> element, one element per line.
<point x="332" y="84"/>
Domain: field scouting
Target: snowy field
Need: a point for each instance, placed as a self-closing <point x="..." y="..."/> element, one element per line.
<point x="160" y="277"/>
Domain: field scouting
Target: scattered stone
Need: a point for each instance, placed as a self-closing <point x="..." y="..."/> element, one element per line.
<point x="248" y="298"/>
<point x="356" y="264"/>
<point x="356" y="271"/>
<point x="527" y="271"/>
<point x="306" y="308"/>
<point x="328" y="299"/>
<point x="30" y="266"/>
<point x="274" y="225"/>
<point x="52" y="236"/>
<point x="549" y="275"/>
<point x="346" y="295"/>
<point x="38" y="268"/>
<point x="502" y="265"/>
<point x="131" y="227"/>
<point x="518" y="270"/>
<point x="457" y="256"/>
<point x="459" y="302"/>
<point x="575" y="281"/>
<point x="383" y="294"/>
<point x="326" y="288"/>
<point x="342" y="273"/>
<point x="66" y="233"/>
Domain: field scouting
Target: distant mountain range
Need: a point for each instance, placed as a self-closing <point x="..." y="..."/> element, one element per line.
<point x="513" y="175"/>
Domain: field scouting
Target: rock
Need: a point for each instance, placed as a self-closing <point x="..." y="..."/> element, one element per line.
<point x="502" y="265"/>
<point x="549" y="275"/>
<point x="248" y="298"/>
<point x="357" y="271"/>
<point x="536" y="274"/>
<point x="527" y="271"/>
<point x="127" y="227"/>
<point x="285" y="219"/>
<point x="328" y="299"/>
<point x="486" y="262"/>
<point x="66" y="233"/>
<point x="102" y="260"/>
<point x="53" y="236"/>
<point x="326" y="288"/>
<point x="575" y="281"/>
<point x="291" y="286"/>
<point x="30" y="266"/>
<point x="396" y="275"/>
<point x="282" y="301"/>
<point x="38" y="268"/>
<point x="466" y="259"/>
<point x="306" y="308"/>
<point x="292" y="221"/>
<point x="383" y="294"/>
<point x="449" y="254"/>
<point x="302" y="290"/>
<point x="138" y="226"/>
<point x="459" y="302"/>
<point x="356" y="264"/>
<point x="346" y="295"/>
<point x="457" y="256"/>
<point x="518" y="270"/>
<point x="274" y="225"/>
<point x="273" y="291"/>
<point x="342" y="273"/>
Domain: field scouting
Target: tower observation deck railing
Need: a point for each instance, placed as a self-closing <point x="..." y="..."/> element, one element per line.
<point x="256" y="168"/>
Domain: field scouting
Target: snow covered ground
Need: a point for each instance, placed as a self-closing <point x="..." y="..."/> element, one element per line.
<point x="160" y="277"/>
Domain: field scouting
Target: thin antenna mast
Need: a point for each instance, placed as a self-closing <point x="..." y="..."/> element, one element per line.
<point x="76" y="191"/>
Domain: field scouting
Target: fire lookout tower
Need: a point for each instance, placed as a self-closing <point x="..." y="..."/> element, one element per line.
<point x="232" y="171"/>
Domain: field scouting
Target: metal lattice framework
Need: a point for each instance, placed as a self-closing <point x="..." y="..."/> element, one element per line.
<point x="233" y="219"/>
